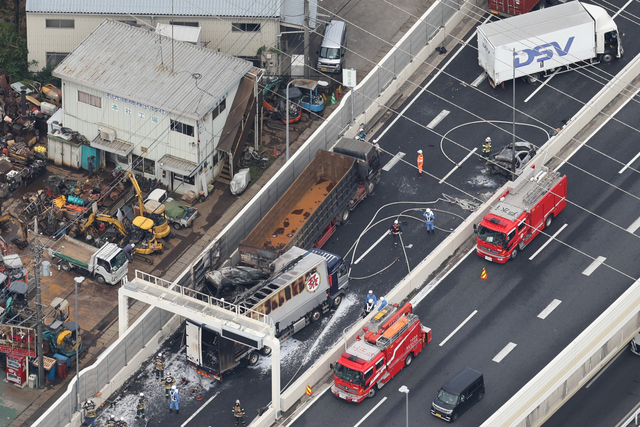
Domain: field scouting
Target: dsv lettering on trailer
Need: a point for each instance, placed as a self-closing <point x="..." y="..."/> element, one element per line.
<point x="544" y="52"/>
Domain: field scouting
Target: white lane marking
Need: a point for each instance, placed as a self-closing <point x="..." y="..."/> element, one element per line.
<point x="611" y="116"/>
<point x="200" y="409"/>
<point x="544" y="83"/>
<point x="479" y="80"/>
<point x="299" y="414"/>
<point x="415" y="98"/>
<point x="606" y="366"/>
<point x="371" y="247"/>
<point x="623" y="8"/>
<point x="458" y="328"/>
<point x="370" y="412"/>
<point x="592" y="267"/>
<point x="629" y="164"/>
<point x="440" y="117"/>
<point x="633" y="227"/>
<point x="457" y="165"/>
<point x="547" y="311"/>
<point x="503" y="353"/>
<point x="547" y="242"/>
<point x="393" y="161"/>
<point x="431" y="286"/>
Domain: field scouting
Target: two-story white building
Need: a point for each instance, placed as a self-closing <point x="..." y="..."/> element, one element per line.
<point x="235" y="27"/>
<point x="155" y="105"/>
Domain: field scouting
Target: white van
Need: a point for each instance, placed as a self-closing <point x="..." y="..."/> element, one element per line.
<point x="333" y="47"/>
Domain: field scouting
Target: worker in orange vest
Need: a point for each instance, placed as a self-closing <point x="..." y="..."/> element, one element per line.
<point x="420" y="162"/>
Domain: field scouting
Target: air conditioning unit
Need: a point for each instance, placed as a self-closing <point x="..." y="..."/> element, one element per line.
<point x="107" y="134"/>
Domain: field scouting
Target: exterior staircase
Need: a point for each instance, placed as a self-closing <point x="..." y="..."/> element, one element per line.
<point x="224" y="176"/>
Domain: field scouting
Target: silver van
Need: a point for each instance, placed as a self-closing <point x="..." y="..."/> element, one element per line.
<point x="333" y="47"/>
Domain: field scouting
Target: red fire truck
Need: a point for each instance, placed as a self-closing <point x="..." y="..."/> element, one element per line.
<point x="388" y="343"/>
<point x="520" y="214"/>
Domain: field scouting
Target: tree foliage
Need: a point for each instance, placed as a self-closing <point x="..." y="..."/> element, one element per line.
<point x="13" y="51"/>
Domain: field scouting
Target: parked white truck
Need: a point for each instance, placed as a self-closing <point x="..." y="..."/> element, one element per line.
<point x="305" y="285"/>
<point x="536" y="44"/>
<point x="107" y="264"/>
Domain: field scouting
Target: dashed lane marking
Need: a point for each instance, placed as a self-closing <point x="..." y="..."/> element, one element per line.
<point x="503" y="353"/>
<point x="595" y="264"/>
<point x="393" y="161"/>
<point x="547" y="311"/>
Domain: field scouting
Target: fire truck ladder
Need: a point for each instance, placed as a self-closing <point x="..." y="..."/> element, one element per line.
<point x="384" y="342"/>
<point x="541" y="188"/>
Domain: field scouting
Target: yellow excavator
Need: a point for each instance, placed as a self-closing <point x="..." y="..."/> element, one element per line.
<point x="160" y="226"/>
<point x="25" y="242"/>
<point x="147" y="242"/>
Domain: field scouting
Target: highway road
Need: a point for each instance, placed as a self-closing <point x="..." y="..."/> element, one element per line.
<point x="508" y="303"/>
<point x="607" y="399"/>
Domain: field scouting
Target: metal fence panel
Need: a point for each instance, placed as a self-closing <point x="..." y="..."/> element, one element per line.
<point x="132" y="343"/>
<point x="115" y="360"/>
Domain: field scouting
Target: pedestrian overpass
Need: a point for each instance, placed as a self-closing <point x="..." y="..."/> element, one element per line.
<point x="239" y="324"/>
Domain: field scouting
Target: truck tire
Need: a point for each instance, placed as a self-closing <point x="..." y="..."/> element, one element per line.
<point x="532" y="78"/>
<point x="548" y="221"/>
<point x="253" y="358"/>
<point x="408" y="360"/>
<point x="480" y="396"/>
<point x="177" y="226"/>
<point x="336" y="301"/>
<point x="344" y="215"/>
<point x="101" y="280"/>
<point x="315" y="315"/>
<point x="65" y="266"/>
<point x="372" y="392"/>
<point x="454" y="416"/>
<point x="370" y="187"/>
<point x="514" y="254"/>
<point x="265" y="351"/>
<point x="606" y="57"/>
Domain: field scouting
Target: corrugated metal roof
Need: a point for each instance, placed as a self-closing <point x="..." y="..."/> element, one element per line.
<point x="136" y="64"/>
<point x="244" y="8"/>
<point x="178" y="165"/>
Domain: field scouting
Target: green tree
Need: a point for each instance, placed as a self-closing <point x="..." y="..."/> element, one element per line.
<point x="13" y="51"/>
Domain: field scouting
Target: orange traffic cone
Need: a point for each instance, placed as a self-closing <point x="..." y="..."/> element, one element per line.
<point x="484" y="274"/>
<point x="308" y="392"/>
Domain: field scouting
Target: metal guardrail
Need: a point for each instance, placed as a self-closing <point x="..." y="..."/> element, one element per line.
<point x="207" y="299"/>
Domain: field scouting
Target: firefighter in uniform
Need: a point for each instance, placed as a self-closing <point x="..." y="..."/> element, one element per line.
<point x="238" y="413"/>
<point x="90" y="416"/>
<point x="111" y="422"/>
<point x="396" y="231"/>
<point x="420" y="163"/>
<point x="159" y="363"/>
<point x="140" y="413"/>
<point x="486" y="149"/>
<point x="429" y="217"/>
<point x="121" y="423"/>
<point x="168" y="381"/>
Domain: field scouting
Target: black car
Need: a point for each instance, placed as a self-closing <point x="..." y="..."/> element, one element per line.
<point x="458" y="395"/>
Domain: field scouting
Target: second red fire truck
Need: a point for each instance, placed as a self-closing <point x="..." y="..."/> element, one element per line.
<point x="520" y="214"/>
<point x="387" y="344"/>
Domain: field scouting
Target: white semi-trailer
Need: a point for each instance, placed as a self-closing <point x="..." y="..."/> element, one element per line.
<point x="556" y="39"/>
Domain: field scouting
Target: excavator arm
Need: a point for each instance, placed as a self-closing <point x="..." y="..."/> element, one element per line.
<point x="134" y="181"/>
<point x="103" y="218"/>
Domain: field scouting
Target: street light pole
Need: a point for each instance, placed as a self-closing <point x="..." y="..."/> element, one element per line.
<point x="77" y="281"/>
<point x="513" y="130"/>
<point x="405" y="390"/>
<point x="287" y="108"/>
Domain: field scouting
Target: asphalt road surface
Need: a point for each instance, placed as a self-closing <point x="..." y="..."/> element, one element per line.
<point x="509" y="301"/>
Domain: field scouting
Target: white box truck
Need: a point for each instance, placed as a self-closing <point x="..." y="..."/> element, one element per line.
<point x="537" y="44"/>
<point x="305" y="285"/>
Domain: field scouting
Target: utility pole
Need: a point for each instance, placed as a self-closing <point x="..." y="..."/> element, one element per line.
<point x="307" y="62"/>
<point x="37" y="249"/>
